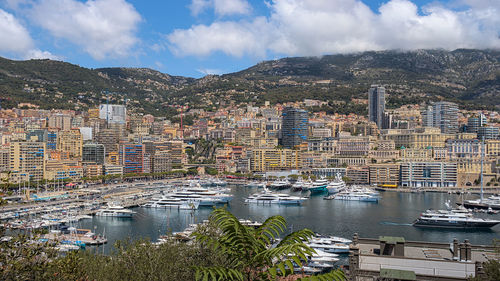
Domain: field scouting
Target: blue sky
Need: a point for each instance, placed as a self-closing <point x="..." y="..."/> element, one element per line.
<point x="198" y="37"/>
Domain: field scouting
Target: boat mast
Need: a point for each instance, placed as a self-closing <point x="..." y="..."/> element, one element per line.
<point x="482" y="160"/>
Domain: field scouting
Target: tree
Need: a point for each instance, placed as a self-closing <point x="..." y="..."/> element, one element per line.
<point x="491" y="267"/>
<point x="248" y="251"/>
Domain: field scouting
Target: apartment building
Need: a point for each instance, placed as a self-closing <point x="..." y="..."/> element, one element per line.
<point x="428" y="174"/>
<point x="384" y="174"/>
<point x="263" y="159"/>
<point x="70" y="141"/>
<point x="132" y="157"/>
<point x="27" y="161"/>
<point x="61" y="170"/>
<point x="93" y="153"/>
<point x="416" y="138"/>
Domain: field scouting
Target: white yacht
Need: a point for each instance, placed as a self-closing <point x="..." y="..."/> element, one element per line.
<point x="452" y="219"/>
<point x="357" y="195"/>
<point x="204" y="196"/>
<point x="219" y="194"/>
<point x="337" y="185"/>
<point x="172" y="203"/>
<point x="330" y="239"/>
<point x="280" y="184"/>
<point x="306" y="186"/>
<point x="115" y="211"/>
<point x="219" y="182"/>
<point x="256" y="184"/>
<point x="328" y="246"/>
<point x="298" y="185"/>
<point x="268" y="198"/>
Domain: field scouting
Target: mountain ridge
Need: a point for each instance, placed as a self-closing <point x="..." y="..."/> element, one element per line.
<point x="470" y="77"/>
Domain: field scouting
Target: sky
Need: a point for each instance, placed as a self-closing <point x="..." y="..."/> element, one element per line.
<point x="199" y="37"/>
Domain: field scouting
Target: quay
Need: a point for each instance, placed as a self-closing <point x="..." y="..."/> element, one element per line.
<point x="394" y="258"/>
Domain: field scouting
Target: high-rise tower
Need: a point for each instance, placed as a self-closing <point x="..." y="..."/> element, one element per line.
<point x="376" y="105"/>
<point x="294" y="128"/>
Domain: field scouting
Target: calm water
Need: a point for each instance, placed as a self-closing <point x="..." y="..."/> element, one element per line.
<point x="393" y="216"/>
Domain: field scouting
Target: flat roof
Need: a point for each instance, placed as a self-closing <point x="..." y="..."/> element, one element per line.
<point x="397" y="274"/>
<point x="391" y="239"/>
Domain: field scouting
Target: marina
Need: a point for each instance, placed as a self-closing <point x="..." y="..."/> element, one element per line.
<point x="394" y="213"/>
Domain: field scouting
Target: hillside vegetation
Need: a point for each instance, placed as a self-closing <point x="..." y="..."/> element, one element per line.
<point x="469" y="77"/>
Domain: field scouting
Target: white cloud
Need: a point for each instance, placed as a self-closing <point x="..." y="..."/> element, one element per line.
<point x="317" y="27"/>
<point x="39" y="54"/>
<point x="235" y="39"/>
<point x="14" y="37"/>
<point x="103" y="28"/>
<point x="210" y="71"/>
<point x="221" y="7"/>
<point x="16" y="41"/>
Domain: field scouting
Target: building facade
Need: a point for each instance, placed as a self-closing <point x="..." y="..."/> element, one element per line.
<point x="132" y="157"/>
<point x="93" y="153"/>
<point x="294" y="128"/>
<point x="376" y="105"/>
<point x="445" y="117"/>
<point x="27" y="161"/>
<point x="428" y="174"/>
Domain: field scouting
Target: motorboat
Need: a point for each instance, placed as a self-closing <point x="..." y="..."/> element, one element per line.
<point x="219" y="182"/>
<point x="268" y="198"/>
<point x="331" y="239"/>
<point x="172" y="203"/>
<point x="280" y="184"/>
<point x="336" y="185"/>
<point x="451" y="219"/>
<point x="205" y="196"/>
<point x="256" y="184"/>
<point x="297" y="186"/>
<point x="357" y="195"/>
<point x="327" y="246"/>
<point x="116" y="211"/>
<point x="319" y="186"/>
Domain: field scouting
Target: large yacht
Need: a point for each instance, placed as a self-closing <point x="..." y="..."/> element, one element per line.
<point x="280" y="184"/>
<point x="274" y="198"/>
<point x="205" y="196"/>
<point x="172" y="203"/>
<point x="297" y="186"/>
<point x="357" y="195"/>
<point x="328" y="245"/>
<point x="453" y="219"/>
<point x="337" y="185"/>
<point x="319" y="186"/>
<point x="115" y="211"/>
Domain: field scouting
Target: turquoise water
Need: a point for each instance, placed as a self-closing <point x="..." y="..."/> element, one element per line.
<point x="392" y="216"/>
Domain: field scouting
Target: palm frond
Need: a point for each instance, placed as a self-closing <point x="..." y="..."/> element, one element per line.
<point x="300" y="236"/>
<point x="216" y="273"/>
<point x="271" y="228"/>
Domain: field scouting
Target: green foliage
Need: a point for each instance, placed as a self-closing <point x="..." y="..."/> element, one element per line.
<point x="224" y="249"/>
<point x="410" y="77"/>
<point x="211" y="171"/>
<point x="23" y="260"/>
<point x="492" y="267"/>
<point x="248" y="252"/>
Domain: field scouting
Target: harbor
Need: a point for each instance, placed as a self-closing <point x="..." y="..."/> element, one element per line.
<point x="392" y="213"/>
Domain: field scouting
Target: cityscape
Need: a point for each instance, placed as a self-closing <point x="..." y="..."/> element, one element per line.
<point x="365" y="161"/>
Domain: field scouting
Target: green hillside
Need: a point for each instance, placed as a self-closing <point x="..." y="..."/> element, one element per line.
<point x="469" y="77"/>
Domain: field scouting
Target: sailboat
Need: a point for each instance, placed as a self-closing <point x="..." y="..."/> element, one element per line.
<point x="491" y="203"/>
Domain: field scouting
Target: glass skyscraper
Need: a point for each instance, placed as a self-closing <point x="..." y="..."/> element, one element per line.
<point x="376" y="105"/>
<point x="294" y="128"/>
